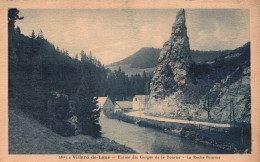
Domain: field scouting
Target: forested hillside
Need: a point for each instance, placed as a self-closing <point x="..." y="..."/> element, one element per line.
<point x="58" y="90"/>
<point x="146" y="59"/>
<point x="42" y="80"/>
<point x="201" y="57"/>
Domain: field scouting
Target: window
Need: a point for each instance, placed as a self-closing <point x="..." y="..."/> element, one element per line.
<point x="135" y="99"/>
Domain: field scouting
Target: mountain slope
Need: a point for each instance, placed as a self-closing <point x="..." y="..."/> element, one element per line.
<point x="28" y="136"/>
<point x="146" y="59"/>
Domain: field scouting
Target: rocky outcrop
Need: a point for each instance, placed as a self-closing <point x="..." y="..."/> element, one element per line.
<point x="174" y="61"/>
<point x="213" y="91"/>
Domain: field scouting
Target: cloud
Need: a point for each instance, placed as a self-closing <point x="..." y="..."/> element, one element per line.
<point x="117" y="44"/>
<point x="217" y="38"/>
<point x="112" y="35"/>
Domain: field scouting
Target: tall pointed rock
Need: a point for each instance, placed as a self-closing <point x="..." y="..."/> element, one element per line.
<point x="174" y="61"/>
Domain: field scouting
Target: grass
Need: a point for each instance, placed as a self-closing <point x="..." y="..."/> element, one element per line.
<point x="27" y="136"/>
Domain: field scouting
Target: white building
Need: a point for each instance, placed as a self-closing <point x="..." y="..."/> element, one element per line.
<point x="140" y="102"/>
<point x="106" y="104"/>
<point x="101" y="101"/>
<point x="123" y="106"/>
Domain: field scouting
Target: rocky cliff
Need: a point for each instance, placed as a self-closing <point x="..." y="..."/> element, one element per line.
<point x="174" y="61"/>
<point x="210" y="91"/>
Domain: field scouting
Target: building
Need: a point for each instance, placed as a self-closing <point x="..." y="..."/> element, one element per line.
<point x="101" y="101"/>
<point x="106" y="104"/>
<point x="140" y="102"/>
<point x="123" y="106"/>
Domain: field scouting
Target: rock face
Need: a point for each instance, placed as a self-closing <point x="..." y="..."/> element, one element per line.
<point x="210" y="91"/>
<point x="174" y="61"/>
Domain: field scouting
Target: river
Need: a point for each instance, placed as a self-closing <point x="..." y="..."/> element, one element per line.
<point x="148" y="140"/>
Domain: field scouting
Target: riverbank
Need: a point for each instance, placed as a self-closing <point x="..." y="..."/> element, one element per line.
<point x="28" y="136"/>
<point x="216" y="138"/>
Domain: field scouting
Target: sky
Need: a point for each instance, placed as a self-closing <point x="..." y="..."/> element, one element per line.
<point x="114" y="34"/>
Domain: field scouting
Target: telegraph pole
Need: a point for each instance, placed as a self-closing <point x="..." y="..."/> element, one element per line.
<point x="208" y="100"/>
<point x="232" y="112"/>
<point x="146" y="97"/>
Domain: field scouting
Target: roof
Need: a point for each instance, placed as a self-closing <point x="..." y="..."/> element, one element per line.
<point x="140" y="96"/>
<point x="101" y="100"/>
<point x="124" y="104"/>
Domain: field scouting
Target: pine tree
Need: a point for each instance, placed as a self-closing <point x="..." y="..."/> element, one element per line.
<point x="58" y="113"/>
<point x="13" y="16"/>
<point x="13" y="44"/>
<point x="40" y="34"/>
<point x="33" y="35"/>
<point x="17" y="30"/>
<point x="87" y="110"/>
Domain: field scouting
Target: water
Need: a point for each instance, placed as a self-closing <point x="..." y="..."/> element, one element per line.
<point x="147" y="140"/>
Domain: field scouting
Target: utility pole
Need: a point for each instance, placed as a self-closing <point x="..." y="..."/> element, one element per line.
<point x="230" y="119"/>
<point x="242" y="134"/>
<point x="232" y="113"/>
<point x="208" y="100"/>
<point x="146" y="97"/>
<point x="139" y="100"/>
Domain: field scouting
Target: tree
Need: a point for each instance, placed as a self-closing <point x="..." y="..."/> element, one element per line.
<point x="33" y="35"/>
<point x="13" y="16"/>
<point x="90" y="57"/>
<point x="14" y="44"/>
<point x="83" y="56"/>
<point x="87" y="110"/>
<point x="17" y="30"/>
<point x="58" y="113"/>
<point x="40" y="34"/>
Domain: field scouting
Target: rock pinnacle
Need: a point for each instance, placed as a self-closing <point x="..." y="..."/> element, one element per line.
<point x="174" y="61"/>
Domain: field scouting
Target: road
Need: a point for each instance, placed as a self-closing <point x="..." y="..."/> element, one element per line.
<point x="142" y="115"/>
